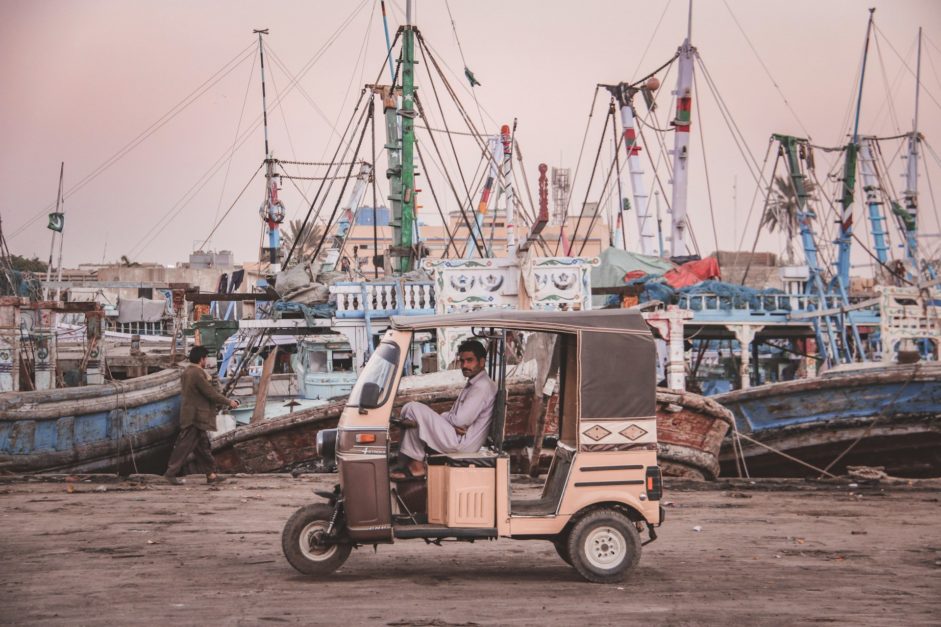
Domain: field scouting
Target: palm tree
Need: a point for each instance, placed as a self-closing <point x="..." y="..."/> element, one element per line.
<point x="781" y="210"/>
<point x="307" y="239"/>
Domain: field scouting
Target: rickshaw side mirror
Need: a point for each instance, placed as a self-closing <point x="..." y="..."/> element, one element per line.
<point x="369" y="395"/>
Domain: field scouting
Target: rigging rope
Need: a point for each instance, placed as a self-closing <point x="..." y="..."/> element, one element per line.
<point x="464" y="61"/>
<point x="317" y="163"/>
<point x="173" y="212"/>
<point x="603" y="196"/>
<point x="238" y="128"/>
<point x="370" y="110"/>
<point x="608" y="118"/>
<point x="457" y="196"/>
<point x="313" y="202"/>
<point x="777" y="87"/>
<point x="232" y="206"/>
<point x="910" y="71"/>
<point x="888" y="90"/>
<point x="426" y="56"/>
<point x="578" y="165"/>
<point x="175" y="110"/>
<point x="705" y="164"/>
<point x="434" y="196"/>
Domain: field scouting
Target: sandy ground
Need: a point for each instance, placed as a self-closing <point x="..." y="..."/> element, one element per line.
<point x="100" y="551"/>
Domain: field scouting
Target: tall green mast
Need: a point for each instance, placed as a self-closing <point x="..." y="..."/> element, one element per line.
<point x="401" y="171"/>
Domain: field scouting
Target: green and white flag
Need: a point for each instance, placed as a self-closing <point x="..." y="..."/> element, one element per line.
<point x="56" y="221"/>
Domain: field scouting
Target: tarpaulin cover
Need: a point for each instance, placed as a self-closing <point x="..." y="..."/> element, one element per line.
<point x="693" y="272"/>
<point x="141" y="310"/>
<point x="616" y="263"/>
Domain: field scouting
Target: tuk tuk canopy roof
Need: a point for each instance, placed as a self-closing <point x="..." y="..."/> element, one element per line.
<point x="616" y="353"/>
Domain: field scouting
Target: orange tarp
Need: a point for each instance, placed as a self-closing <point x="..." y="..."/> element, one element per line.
<point x="693" y="272"/>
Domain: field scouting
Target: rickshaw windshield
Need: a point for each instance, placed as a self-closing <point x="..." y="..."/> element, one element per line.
<point x="380" y="370"/>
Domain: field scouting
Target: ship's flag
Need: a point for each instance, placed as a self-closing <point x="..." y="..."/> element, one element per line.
<point x="470" y="77"/>
<point x="56" y="221"/>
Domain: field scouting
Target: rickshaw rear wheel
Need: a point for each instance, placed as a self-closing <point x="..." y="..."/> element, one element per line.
<point x="303" y="541"/>
<point x="604" y="546"/>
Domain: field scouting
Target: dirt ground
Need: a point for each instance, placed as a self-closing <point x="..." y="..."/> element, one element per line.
<point x="102" y="551"/>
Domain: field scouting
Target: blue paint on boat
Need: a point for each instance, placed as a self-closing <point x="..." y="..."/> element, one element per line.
<point x="115" y="427"/>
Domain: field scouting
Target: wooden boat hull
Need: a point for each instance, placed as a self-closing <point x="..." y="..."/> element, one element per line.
<point x="690" y="428"/>
<point x="891" y="416"/>
<point x="122" y="426"/>
<point x="690" y="432"/>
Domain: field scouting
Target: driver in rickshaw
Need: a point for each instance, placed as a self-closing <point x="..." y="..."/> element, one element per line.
<point x="463" y="429"/>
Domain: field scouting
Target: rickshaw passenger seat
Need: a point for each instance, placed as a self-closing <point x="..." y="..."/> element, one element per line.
<point x="483" y="458"/>
<point x="498" y="421"/>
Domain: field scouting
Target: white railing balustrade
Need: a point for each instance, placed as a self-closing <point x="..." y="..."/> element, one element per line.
<point x="383" y="298"/>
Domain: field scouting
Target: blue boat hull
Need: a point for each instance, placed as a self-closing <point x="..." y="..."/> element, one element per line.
<point x="123" y="427"/>
<point x="879" y="416"/>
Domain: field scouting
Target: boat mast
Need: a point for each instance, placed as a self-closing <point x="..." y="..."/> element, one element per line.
<point x="477" y="234"/>
<point x="400" y="144"/>
<point x="402" y="187"/>
<point x="684" y="107"/>
<point x="56" y="219"/>
<point x="867" y="165"/>
<point x="272" y="210"/>
<point x="910" y="194"/>
<point x="507" y="138"/>
<point x="849" y="178"/>
<point x="624" y="94"/>
<point x="825" y="328"/>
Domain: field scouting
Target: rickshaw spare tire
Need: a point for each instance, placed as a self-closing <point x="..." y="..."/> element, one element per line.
<point x="299" y="541"/>
<point x="604" y="546"/>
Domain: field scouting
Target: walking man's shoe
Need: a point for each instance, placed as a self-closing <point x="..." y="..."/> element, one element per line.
<point x="174" y="480"/>
<point x="214" y="478"/>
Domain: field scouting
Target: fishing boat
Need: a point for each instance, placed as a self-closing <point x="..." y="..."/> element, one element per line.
<point x="101" y="426"/>
<point x="120" y="426"/>
<point x="875" y="416"/>
<point x="881" y="413"/>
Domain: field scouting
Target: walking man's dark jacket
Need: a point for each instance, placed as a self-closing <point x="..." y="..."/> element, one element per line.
<point x="199" y="399"/>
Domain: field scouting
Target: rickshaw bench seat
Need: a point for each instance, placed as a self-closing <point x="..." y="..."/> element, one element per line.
<point x="486" y="459"/>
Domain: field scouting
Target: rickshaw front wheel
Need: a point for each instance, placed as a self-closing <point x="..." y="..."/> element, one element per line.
<point x="604" y="546"/>
<point x="304" y="545"/>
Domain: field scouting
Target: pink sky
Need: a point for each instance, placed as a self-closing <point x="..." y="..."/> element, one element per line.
<point x="82" y="78"/>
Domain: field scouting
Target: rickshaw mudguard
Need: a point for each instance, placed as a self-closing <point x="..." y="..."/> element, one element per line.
<point x="649" y="511"/>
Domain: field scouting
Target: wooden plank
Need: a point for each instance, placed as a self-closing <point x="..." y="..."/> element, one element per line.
<point x="259" y="414"/>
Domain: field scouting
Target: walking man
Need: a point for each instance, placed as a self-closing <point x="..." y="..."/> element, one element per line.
<point x="197" y="417"/>
<point x="463" y="429"/>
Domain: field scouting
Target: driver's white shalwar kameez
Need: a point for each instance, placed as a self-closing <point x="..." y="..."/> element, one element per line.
<point x="472" y="410"/>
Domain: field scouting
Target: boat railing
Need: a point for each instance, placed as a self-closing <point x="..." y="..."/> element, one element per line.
<point x="756" y="304"/>
<point x="770" y="306"/>
<point x="383" y="298"/>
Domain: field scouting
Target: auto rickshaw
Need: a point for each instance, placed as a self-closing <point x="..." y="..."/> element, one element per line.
<point x="603" y="486"/>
